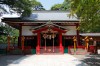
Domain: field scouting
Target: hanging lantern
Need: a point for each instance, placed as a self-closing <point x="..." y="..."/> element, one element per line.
<point x="45" y="36"/>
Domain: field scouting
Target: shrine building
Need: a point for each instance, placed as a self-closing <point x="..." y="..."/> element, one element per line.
<point x="46" y="31"/>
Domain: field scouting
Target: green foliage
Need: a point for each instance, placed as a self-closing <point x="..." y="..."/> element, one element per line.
<point x="64" y="6"/>
<point x="14" y="33"/>
<point x="89" y="13"/>
<point x="38" y="6"/>
<point x="20" y="6"/>
<point x="56" y="7"/>
<point x="9" y="30"/>
<point x="3" y="39"/>
<point x="24" y="7"/>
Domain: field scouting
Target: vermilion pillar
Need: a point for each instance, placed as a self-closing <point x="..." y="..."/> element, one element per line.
<point x="60" y="42"/>
<point x="20" y="35"/>
<point x="38" y="43"/>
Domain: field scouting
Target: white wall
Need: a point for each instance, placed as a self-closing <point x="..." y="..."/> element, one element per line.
<point x="27" y="32"/>
<point x="71" y="30"/>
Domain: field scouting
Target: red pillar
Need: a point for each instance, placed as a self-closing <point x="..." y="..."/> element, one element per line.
<point x="20" y="35"/>
<point x="38" y="43"/>
<point x="60" y="42"/>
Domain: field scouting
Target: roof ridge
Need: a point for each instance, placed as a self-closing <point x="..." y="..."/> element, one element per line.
<point x="51" y="11"/>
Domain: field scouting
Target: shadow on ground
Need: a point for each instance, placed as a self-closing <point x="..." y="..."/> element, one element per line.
<point x="5" y="60"/>
<point x="92" y="60"/>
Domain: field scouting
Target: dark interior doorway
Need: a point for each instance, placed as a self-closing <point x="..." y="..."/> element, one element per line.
<point x="67" y="42"/>
<point x="31" y="41"/>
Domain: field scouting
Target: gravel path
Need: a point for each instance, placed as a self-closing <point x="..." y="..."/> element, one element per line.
<point x="41" y="60"/>
<point x="5" y="60"/>
<point x="91" y="60"/>
<point x="80" y="57"/>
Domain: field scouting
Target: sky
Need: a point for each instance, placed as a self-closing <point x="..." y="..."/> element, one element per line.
<point x="47" y="4"/>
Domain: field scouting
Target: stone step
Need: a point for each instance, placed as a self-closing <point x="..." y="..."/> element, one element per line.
<point x="79" y="51"/>
<point x="49" y="50"/>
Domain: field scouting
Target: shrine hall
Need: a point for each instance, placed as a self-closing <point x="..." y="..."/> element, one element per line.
<point x="46" y="31"/>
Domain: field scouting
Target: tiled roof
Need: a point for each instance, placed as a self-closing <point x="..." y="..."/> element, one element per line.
<point x="90" y="34"/>
<point x="51" y="15"/>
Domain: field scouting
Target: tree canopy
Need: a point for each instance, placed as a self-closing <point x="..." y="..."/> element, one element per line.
<point x="24" y="7"/>
<point x="38" y="6"/>
<point x="56" y="7"/>
<point x="64" y="6"/>
<point x="88" y="12"/>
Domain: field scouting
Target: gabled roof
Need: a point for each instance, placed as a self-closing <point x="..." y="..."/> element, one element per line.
<point x="45" y="16"/>
<point x="51" y="15"/>
<point x="47" y="26"/>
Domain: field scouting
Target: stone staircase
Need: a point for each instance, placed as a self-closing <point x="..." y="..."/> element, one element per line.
<point x="49" y="50"/>
<point x="78" y="51"/>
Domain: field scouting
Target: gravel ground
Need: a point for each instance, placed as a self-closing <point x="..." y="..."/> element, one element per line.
<point x="80" y="57"/>
<point x="40" y="60"/>
<point x="7" y="59"/>
<point x="91" y="60"/>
